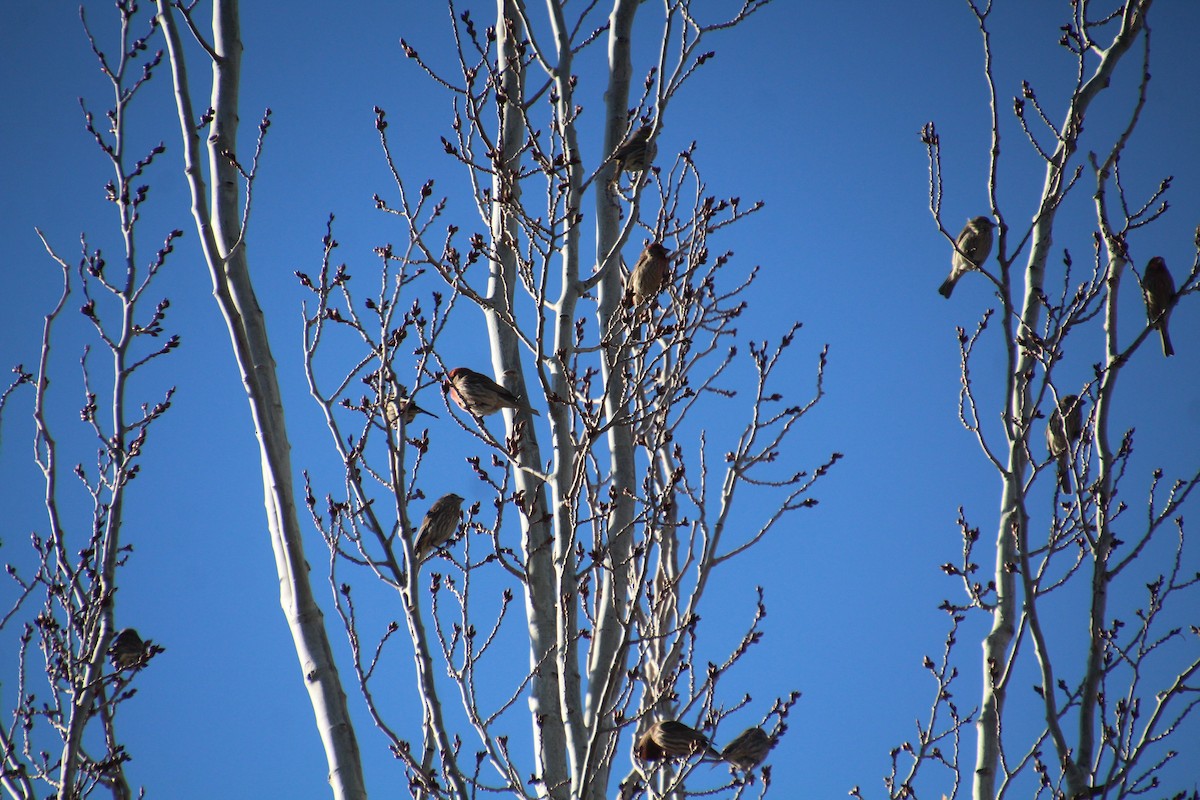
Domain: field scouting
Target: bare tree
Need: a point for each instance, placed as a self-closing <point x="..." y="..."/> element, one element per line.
<point x="621" y="531"/>
<point x="622" y="527"/>
<point x="62" y="734"/>
<point x="222" y="221"/>
<point x="1104" y="721"/>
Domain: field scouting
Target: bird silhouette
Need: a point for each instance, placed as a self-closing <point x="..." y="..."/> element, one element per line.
<point x="973" y="247"/>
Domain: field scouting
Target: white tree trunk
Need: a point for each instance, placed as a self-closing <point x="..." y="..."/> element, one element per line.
<point x="1012" y="536"/>
<point x="609" y="649"/>
<point x="222" y="232"/>
<point x="546" y="647"/>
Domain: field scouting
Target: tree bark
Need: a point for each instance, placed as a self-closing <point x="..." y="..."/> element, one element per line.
<point x="610" y="643"/>
<point x="1013" y="517"/>
<point x="541" y="590"/>
<point x="222" y="235"/>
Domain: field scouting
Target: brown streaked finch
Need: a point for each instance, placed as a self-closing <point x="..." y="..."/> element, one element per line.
<point x="127" y="649"/>
<point x="478" y="394"/>
<point x="636" y="153"/>
<point x="1065" y="426"/>
<point x="649" y="276"/>
<point x="973" y="247"/>
<point x="669" y="738"/>
<point x="748" y="748"/>
<point x="439" y="526"/>
<point x="1158" y="287"/>
<point x="396" y="407"/>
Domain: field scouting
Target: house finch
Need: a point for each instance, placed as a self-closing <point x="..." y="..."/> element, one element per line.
<point x="748" y="749"/>
<point x="1065" y="426"/>
<point x="636" y="153"/>
<point x="649" y="276"/>
<point x="127" y="649"/>
<point x="394" y="407"/>
<point x="480" y="395"/>
<point x="439" y="525"/>
<point x="972" y="249"/>
<point x="1159" y="288"/>
<point x="671" y="739"/>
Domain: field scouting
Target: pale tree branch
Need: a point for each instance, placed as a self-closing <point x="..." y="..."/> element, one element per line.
<point x="619" y="543"/>
<point x="73" y="704"/>
<point x="221" y="223"/>
<point x="1096" y="746"/>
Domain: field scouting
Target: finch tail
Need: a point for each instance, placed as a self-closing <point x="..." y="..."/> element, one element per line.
<point x="1168" y="348"/>
<point x="1064" y="475"/>
<point x="946" y="288"/>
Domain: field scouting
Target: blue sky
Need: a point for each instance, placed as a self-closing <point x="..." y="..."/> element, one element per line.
<point x="813" y="107"/>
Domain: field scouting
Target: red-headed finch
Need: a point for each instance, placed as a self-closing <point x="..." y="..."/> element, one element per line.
<point x="649" y="276"/>
<point x="478" y="394"/>
<point x="669" y="738"/>
<point x="439" y="525"/>
<point x="748" y="749"/>
<point x="127" y="649"/>
<point x="973" y="247"/>
<point x="1159" y="289"/>
<point x="1065" y="426"/>
<point x="396" y="407"/>
<point x="636" y="153"/>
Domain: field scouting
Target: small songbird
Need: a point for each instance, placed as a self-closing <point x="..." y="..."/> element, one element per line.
<point x="636" y="153"/>
<point x="439" y="525"/>
<point x="480" y="395"/>
<point x="1065" y="426"/>
<point x="649" y="276"/>
<point x="748" y="749"/>
<point x="396" y="407"/>
<point x="974" y="245"/>
<point x="671" y="739"/>
<point x="127" y="649"/>
<point x="1159" y="289"/>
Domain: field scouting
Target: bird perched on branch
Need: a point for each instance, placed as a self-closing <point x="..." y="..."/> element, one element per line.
<point x="973" y="247"/>
<point x="439" y="525"/>
<point x="127" y="649"/>
<point x="649" y="276"/>
<point x="748" y="749"/>
<point x="669" y="738"/>
<point x="1065" y="426"/>
<point x="395" y="408"/>
<point x="636" y="153"/>
<point x="1159" y="289"/>
<point x="480" y="395"/>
